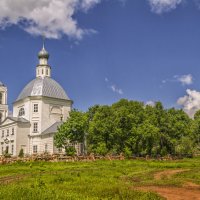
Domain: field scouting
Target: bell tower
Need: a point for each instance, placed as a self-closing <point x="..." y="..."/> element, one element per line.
<point x="3" y="102"/>
<point x="43" y="69"/>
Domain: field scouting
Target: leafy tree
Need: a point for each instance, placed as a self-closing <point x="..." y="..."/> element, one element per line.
<point x="130" y="127"/>
<point x="73" y="130"/>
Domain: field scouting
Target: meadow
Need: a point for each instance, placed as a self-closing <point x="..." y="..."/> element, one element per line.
<point x="126" y="179"/>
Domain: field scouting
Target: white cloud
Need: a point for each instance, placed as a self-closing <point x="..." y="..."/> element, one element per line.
<point x="161" y="6"/>
<point x="185" y="79"/>
<point x="116" y="90"/>
<point x="150" y="103"/>
<point x="53" y="18"/>
<point x="113" y="87"/>
<point x="87" y="4"/>
<point x="190" y="102"/>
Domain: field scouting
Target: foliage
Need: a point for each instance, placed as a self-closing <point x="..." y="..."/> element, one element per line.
<point x="70" y="151"/>
<point x="73" y="130"/>
<point x="6" y="154"/>
<point x="21" y="153"/>
<point x="132" y="128"/>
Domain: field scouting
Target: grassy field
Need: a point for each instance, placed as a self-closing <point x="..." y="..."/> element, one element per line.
<point x="92" y="180"/>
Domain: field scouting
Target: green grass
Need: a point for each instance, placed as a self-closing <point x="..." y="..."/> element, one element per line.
<point x="97" y="180"/>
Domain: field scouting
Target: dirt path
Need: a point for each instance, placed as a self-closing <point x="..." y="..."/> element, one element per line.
<point x="189" y="191"/>
<point x="168" y="173"/>
<point x="174" y="193"/>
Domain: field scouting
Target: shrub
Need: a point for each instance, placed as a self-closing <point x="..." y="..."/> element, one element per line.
<point x="101" y="149"/>
<point x="127" y="152"/>
<point x="21" y="153"/>
<point x="70" y="151"/>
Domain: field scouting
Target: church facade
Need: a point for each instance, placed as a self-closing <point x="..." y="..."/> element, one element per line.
<point x="38" y="111"/>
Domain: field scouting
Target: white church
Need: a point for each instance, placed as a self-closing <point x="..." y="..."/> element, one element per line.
<point x="39" y="109"/>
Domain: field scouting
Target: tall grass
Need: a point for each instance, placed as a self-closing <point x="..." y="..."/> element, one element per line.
<point x="103" y="180"/>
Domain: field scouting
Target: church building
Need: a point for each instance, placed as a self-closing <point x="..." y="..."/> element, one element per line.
<point x="39" y="109"/>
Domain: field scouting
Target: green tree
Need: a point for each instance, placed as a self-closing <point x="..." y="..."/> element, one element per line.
<point x="73" y="130"/>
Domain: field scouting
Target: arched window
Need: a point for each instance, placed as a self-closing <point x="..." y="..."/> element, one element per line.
<point x="47" y="72"/>
<point x="42" y="71"/>
<point x="1" y="98"/>
<point x="21" y="112"/>
<point x="1" y="117"/>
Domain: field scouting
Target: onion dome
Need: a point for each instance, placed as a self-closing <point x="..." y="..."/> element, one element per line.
<point x="43" y="53"/>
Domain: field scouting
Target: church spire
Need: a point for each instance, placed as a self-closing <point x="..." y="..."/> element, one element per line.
<point x="43" y="69"/>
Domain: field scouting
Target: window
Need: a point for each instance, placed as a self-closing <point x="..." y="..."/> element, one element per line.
<point x="35" y="108"/>
<point x="1" y="117"/>
<point x="35" y="127"/>
<point x="13" y="131"/>
<point x="7" y="149"/>
<point x="46" y="147"/>
<point x="59" y="150"/>
<point x="7" y="132"/>
<point x="47" y="72"/>
<point x="21" y="112"/>
<point x="35" y="149"/>
<point x="42" y="71"/>
<point x="2" y="135"/>
<point x="1" y="98"/>
<point x="12" y="149"/>
<point x="2" y="150"/>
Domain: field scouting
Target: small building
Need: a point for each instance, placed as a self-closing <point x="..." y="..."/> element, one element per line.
<point x="38" y="111"/>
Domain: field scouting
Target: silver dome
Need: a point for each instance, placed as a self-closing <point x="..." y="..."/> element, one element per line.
<point x="43" y="54"/>
<point x="43" y="87"/>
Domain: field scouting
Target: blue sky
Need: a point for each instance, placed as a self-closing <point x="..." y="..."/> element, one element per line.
<point x="105" y="50"/>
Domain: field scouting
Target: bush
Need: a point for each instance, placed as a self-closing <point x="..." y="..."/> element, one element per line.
<point x="101" y="149"/>
<point x="6" y="154"/>
<point x="70" y="151"/>
<point x="21" y="153"/>
<point x="185" y="147"/>
<point x="127" y="152"/>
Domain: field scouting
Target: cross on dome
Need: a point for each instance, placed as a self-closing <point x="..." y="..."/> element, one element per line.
<point x="43" y="52"/>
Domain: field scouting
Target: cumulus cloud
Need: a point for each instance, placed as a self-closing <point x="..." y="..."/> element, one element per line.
<point x="183" y="79"/>
<point x="161" y="6"/>
<point x="113" y="87"/>
<point x="190" y="102"/>
<point x="53" y="18"/>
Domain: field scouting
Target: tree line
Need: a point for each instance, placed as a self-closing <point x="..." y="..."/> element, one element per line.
<point x="132" y="128"/>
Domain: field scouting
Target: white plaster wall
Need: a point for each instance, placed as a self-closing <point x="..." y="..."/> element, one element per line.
<point x="22" y="104"/>
<point x="22" y="139"/>
<point x="35" y="140"/>
<point x="47" y="139"/>
<point x="47" y="119"/>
